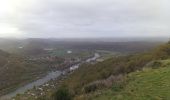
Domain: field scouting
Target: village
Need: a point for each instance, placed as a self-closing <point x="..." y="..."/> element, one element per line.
<point x="54" y="83"/>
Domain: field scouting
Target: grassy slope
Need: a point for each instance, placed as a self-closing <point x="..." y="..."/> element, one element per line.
<point x="115" y="66"/>
<point x="150" y="84"/>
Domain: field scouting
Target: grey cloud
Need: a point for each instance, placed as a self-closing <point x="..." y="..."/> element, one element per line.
<point x="91" y="18"/>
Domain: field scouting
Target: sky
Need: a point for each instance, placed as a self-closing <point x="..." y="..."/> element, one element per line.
<point x="84" y="18"/>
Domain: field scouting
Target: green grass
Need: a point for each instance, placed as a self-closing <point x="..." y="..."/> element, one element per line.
<point x="150" y="84"/>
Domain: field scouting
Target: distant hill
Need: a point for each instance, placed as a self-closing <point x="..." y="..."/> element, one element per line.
<point x="4" y="54"/>
<point x="3" y="57"/>
<point x="15" y="71"/>
<point x="35" y="46"/>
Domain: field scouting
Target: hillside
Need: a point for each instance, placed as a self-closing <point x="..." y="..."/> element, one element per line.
<point x="3" y="56"/>
<point x="15" y="71"/>
<point x="36" y="46"/>
<point x="91" y="78"/>
<point x="106" y="80"/>
<point x="117" y="65"/>
<point x="149" y="84"/>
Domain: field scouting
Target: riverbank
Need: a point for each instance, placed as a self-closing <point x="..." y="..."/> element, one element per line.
<point x="43" y="82"/>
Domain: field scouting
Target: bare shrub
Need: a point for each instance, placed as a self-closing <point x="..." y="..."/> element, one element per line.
<point x="106" y="83"/>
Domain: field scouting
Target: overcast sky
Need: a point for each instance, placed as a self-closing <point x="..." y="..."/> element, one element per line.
<point x="84" y="18"/>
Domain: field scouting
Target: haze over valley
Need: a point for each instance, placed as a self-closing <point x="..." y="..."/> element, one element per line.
<point x="84" y="50"/>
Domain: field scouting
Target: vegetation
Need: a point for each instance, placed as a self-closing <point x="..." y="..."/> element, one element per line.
<point x="16" y="71"/>
<point x="62" y="94"/>
<point x="108" y="79"/>
<point x="88" y="74"/>
<point x="149" y="84"/>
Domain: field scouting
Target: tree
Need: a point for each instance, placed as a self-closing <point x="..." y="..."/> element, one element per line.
<point x="62" y="94"/>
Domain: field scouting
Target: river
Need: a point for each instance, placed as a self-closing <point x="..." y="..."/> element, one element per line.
<point x="43" y="80"/>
